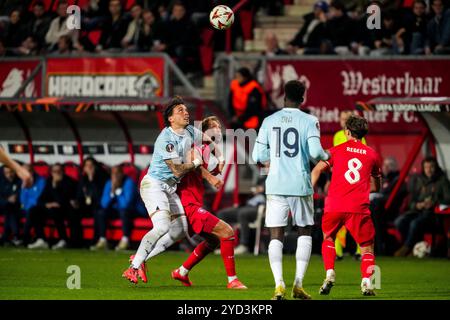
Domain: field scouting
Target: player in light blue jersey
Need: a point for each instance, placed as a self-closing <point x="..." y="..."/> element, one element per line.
<point x="286" y="142"/>
<point x="158" y="187"/>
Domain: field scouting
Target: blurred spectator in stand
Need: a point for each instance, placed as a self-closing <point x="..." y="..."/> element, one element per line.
<point x="247" y="101"/>
<point x="39" y="24"/>
<point x="90" y="189"/>
<point x="151" y="36"/>
<point x="8" y="6"/>
<point x="427" y="190"/>
<point x="244" y="215"/>
<point x="163" y="12"/>
<point x="57" y="202"/>
<point x="270" y="7"/>
<point x="130" y="41"/>
<point x="29" y="197"/>
<point x="10" y="205"/>
<point x="384" y="40"/>
<point x="58" y="28"/>
<point x="65" y="46"/>
<point x="29" y="47"/>
<point x="412" y="35"/>
<point x="272" y="45"/>
<point x="362" y="36"/>
<point x="93" y="13"/>
<point x="200" y="10"/>
<point x="114" y="29"/>
<point x="118" y="199"/>
<point x="312" y="33"/>
<point x="183" y="39"/>
<point x="380" y="216"/>
<point x="438" y="40"/>
<point x="339" y="28"/>
<point x="14" y="31"/>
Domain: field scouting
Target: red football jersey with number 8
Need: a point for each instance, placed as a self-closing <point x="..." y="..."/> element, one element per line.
<point x="353" y="163"/>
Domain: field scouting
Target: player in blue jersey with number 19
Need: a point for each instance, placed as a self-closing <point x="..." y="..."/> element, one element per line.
<point x="286" y="142"/>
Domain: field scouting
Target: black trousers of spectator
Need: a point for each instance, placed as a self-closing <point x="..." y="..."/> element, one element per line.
<point x="413" y="225"/>
<point x="102" y="216"/>
<point x="27" y="226"/>
<point x="76" y="229"/>
<point x="39" y="216"/>
<point x="244" y="216"/>
<point x="12" y="218"/>
<point x="187" y="57"/>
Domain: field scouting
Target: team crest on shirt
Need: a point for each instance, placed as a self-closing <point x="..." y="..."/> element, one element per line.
<point x="170" y="147"/>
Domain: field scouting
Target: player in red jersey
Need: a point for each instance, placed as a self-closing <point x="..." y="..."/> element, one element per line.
<point x="202" y="222"/>
<point x="356" y="173"/>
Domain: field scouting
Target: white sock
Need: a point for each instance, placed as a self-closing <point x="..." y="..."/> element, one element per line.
<point x="124" y="239"/>
<point x="276" y="261"/>
<point x="177" y="231"/>
<point x="330" y="274"/>
<point x="183" y="271"/>
<point x="232" y="278"/>
<point x="161" y="222"/>
<point x="302" y="255"/>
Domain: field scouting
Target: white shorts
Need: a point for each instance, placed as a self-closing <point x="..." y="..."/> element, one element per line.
<point x="278" y="208"/>
<point x="158" y="195"/>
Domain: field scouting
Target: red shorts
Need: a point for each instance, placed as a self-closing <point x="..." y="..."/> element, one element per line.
<point x="359" y="225"/>
<point x="200" y="220"/>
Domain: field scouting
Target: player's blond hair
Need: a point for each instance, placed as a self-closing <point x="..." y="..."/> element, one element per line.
<point x="206" y="123"/>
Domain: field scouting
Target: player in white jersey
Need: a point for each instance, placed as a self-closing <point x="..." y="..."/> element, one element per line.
<point x="286" y="142"/>
<point x="158" y="187"/>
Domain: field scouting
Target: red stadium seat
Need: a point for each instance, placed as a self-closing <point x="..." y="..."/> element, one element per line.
<point x="94" y="36"/>
<point x="131" y="171"/>
<point x="129" y="4"/>
<point x="72" y="170"/>
<point x="42" y="168"/>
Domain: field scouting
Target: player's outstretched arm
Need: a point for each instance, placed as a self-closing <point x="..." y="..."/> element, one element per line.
<point x="21" y="172"/>
<point x="318" y="169"/>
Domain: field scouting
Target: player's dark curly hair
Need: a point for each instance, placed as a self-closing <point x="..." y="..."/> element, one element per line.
<point x="294" y="91"/>
<point x="177" y="100"/>
<point x="357" y="125"/>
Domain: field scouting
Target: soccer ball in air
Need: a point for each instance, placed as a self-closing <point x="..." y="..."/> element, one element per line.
<point x="221" y="17"/>
<point x="421" y="249"/>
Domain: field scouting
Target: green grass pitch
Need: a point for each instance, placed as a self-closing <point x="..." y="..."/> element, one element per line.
<point x="26" y="274"/>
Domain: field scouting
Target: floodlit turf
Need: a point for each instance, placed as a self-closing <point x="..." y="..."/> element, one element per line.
<point x="26" y="274"/>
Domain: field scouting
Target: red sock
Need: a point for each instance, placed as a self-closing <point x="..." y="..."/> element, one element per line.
<point x="367" y="263"/>
<point x="227" y="251"/>
<point x="200" y="251"/>
<point x="328" y="254"/>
